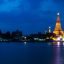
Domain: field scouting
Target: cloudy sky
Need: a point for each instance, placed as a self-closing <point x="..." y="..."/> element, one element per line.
<point x="30" y="16"/>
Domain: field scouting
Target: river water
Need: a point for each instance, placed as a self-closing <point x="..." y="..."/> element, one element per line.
<point x="31" y="53"/>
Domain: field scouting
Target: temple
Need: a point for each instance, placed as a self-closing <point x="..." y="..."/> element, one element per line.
<point x="58" y="30"/>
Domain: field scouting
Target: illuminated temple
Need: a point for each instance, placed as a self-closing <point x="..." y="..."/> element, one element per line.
<point x="58" y="30"/>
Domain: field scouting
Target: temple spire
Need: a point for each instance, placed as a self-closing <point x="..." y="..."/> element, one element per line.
<point x="58" y="30"/>
<point x="58" y="17"/>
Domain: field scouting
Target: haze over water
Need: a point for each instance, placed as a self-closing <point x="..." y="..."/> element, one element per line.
<point x="31" y="53"/>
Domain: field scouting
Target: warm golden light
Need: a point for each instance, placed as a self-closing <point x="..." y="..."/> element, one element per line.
<point x="58" y="30"/>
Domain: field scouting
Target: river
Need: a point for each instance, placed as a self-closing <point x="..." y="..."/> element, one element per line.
<point x="31" y="53"/>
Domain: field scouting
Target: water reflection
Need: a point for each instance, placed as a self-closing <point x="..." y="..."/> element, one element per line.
<point x="25" y="43"/>
<point x="58" y="59"/>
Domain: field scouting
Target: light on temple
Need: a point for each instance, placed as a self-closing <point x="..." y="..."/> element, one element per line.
<point x="58" y="13"/>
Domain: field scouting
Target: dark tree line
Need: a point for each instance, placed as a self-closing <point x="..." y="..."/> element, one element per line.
<point x="11" y="36"/>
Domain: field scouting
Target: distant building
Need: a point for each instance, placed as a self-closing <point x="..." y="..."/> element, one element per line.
<point x="17" y="35"/>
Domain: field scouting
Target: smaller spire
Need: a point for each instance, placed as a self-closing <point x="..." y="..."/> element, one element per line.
<point x="49" y="29"/>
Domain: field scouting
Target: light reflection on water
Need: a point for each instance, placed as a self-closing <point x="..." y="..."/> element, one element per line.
<point x="31" y="53"/>
<point x="58" y="58"/>
<point x="57" y="52"/>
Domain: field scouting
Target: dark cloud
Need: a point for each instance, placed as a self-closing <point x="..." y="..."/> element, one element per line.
<point x="11" y="0"/>
<point x="1" y="1"/>
<point x="59" y="1"/>
<point x="29" y="15"/>
<point x="35" y="3"/>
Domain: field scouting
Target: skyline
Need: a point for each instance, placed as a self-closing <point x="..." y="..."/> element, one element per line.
<point x="30" y="16"/>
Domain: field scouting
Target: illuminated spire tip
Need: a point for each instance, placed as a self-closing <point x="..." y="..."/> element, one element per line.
<point x="58" y="13"/>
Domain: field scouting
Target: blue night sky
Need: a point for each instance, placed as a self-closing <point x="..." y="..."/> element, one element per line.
<point x="30" y="16"/>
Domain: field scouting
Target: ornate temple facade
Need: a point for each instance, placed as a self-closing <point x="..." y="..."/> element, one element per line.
<point x="58" y="30"/>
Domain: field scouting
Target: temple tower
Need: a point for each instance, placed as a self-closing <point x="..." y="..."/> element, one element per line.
<point x="49" y="29"/>
<point x="58" y="30"/>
